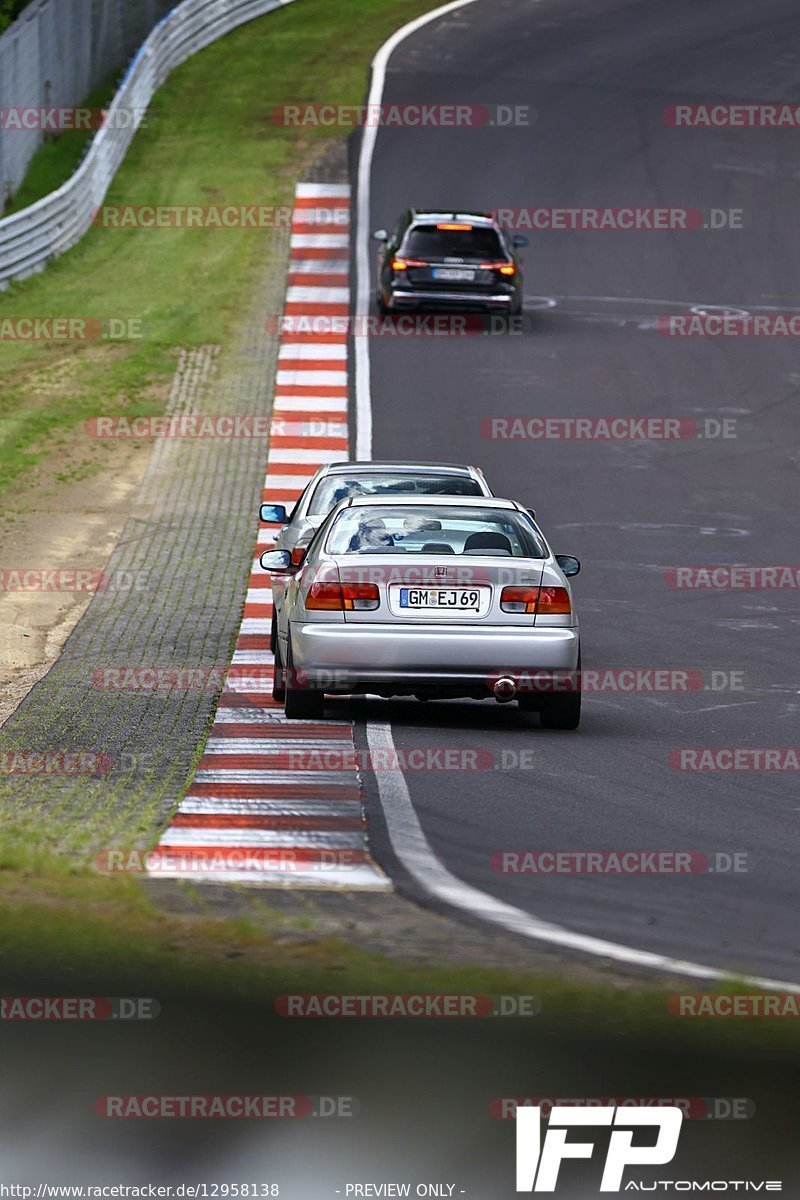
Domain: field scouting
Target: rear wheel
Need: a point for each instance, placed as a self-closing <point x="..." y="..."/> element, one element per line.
<point x="563" y="711"/>
<point x="382" y="309"/>
<point x="300" y="702"/>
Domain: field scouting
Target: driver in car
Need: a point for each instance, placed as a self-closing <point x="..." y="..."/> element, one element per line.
<point x="371" y="534"/>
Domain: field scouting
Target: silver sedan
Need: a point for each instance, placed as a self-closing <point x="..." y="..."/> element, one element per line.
<point x="430" y="597"/>
<point x="339" y="481"/>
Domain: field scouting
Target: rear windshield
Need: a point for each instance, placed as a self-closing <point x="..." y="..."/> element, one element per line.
<point x="420" y="529"/>
<point x="333" y="488"/>
<point x="426" y="241"/>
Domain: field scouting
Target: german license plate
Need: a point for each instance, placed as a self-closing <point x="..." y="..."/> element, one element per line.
<point x="462" y="599"/>
<point x="454" y="274"/>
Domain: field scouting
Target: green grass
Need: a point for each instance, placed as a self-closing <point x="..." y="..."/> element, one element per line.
<point x="9" y="11"/>
<point x="75" y="925"/>
<point x="59" y="155"/>
<point x="209" y="138"/>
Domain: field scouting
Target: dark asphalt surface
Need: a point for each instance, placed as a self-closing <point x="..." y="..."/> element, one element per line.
<point x="600" y="73"/>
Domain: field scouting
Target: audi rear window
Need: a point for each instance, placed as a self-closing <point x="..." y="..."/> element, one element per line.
<point x="426" y="241"/>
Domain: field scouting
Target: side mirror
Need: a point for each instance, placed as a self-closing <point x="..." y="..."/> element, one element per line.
<point x="380" y="235"/>
<point x="277" y="561"/>
<point x="518" y="240"/>
<point x="568" y="564"/>
<point x="274" y="513"/>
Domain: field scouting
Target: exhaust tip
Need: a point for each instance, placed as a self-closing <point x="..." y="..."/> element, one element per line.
<point x="505" y="689"/>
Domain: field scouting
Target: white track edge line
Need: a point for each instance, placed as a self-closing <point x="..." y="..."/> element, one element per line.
<point x="415" y="853"/>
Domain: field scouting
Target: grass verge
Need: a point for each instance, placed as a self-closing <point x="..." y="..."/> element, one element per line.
<point x="106" y="934"/>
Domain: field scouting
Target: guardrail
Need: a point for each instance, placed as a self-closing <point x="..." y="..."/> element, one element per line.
<point x="31" y="238"/>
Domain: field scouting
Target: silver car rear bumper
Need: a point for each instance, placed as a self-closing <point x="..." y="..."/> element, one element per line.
<point x="427" y="654"/>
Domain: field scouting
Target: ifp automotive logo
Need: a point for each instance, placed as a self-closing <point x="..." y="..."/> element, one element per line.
<point x="538" y="1162"/>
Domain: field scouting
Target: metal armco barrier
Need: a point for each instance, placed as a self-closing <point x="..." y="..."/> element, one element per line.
<point x="31" y="238"/>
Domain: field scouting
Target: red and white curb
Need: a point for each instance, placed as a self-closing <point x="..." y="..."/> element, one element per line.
<point x="260" y="808"/>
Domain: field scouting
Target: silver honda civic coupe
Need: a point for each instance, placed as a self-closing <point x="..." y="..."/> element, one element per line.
<point x="434" y="597"/>
<point x="338" y="481"/>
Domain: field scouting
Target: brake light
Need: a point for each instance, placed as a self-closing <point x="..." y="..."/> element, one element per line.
<point x="455" y="225"/>
<point x="338" y="597"/>
<point x="544" y="602"/>
<point x="298" y="554"/>
<point x="402" y="264"/>
<point x="360" y="596"/>
<point x="553" y="601"/>
<point x="505" y="268"/>
<point x="325" y="596"/>
<point x="519" y="599"/>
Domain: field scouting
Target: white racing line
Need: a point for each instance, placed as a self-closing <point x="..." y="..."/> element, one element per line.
<point x="405" y="832"/>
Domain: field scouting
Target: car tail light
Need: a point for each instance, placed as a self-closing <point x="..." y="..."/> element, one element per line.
<point x="503" y="267"/>
<point x="544" y="602"/>
<point x="298" y="554"/>
<point x="553" y="601"/>
<point x="519" y="599"/>
<point x="338" y="597"/>
<point x="325" y="596"/>
<point x="402" y="264"/>
<point x="360" y="596"/>
<point x="455" y="225"/>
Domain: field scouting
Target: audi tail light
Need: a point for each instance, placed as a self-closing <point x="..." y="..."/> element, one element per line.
<point x="402" y="264"/>
<point x="502" y="268"/>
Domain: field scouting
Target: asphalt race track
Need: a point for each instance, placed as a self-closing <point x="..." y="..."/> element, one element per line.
<point x="600" y="74"/>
